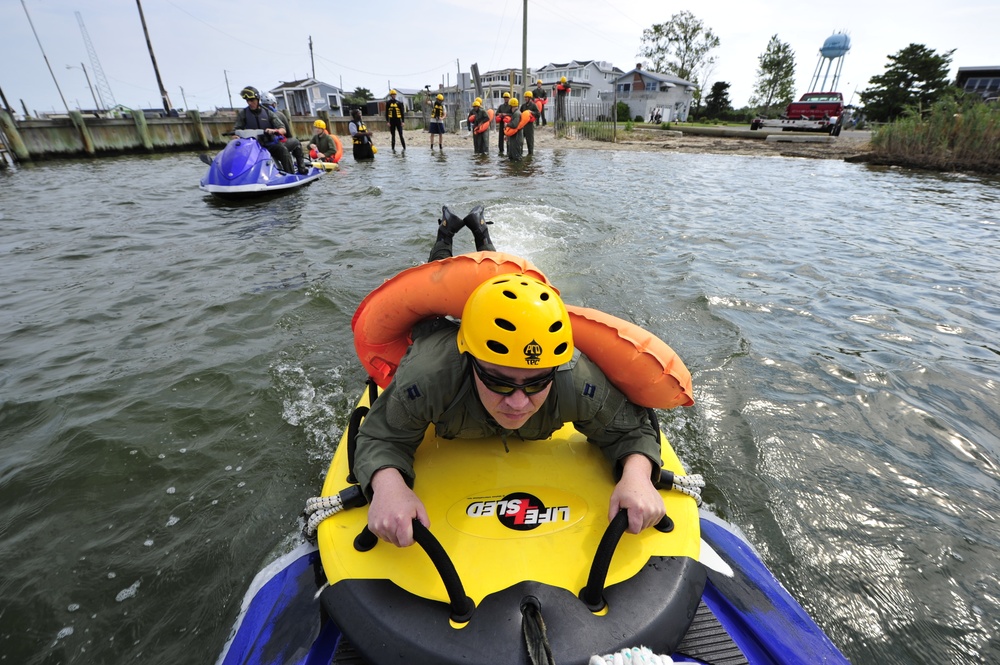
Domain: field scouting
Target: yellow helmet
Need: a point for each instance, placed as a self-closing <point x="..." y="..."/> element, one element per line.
<point x="506" y="95"/>
<point x="528" y="94"/>
<point x="516" y="321"/>
<point x="562" y="79"/>
<point x="319" y="124"/>
<point x="440" y="97"/>
<point x="393" y="92"/>
<point x="539" y="81"/>
<point x="513" y="101"/>
<point x="477" y="102"/>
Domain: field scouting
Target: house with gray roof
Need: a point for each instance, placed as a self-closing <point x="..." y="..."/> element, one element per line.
<point x="647" y="93"/>
<point x="588" y="79"/>
<point x="308" y="96"/>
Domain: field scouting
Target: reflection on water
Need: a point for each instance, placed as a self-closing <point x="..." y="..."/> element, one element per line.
<point x="176" y="370"/>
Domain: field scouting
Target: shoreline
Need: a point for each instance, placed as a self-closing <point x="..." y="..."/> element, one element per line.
<point x="849" y="145"/>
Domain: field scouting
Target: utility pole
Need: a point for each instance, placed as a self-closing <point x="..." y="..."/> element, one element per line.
<point x="98" y="106"/>
<point x="226" y="74"/>
<point x="524" y="50"/>
<point x="156" y="70"/>
<point x="312" y="61"/>
<point x="45" y="57"/>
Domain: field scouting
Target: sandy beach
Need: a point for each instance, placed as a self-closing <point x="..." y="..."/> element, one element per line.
<point x="848" y="144"/>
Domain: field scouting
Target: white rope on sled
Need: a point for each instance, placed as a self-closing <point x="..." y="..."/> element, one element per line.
<point x="632" y="656"/>
<point x="690" y="485"/>
<point x="318" y="508"/>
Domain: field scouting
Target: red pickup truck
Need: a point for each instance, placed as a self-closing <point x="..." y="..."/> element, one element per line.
<point x="814" y="112"/>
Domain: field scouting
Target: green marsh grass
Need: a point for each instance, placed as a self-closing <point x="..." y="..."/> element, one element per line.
<point x="952" y="136"/>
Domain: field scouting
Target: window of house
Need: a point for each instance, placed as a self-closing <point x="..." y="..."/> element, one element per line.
<point x="333" y="102"/>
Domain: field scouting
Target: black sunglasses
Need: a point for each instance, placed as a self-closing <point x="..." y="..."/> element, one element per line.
<point x="502" y="386"/>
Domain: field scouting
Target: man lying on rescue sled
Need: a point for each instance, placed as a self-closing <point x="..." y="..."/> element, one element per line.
<point x="508" y="369"/>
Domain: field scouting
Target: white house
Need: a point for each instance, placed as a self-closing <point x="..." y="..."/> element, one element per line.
<point x="588" y="79"/>
<point x="647" y="92"/>
<point x="307" y="96"/>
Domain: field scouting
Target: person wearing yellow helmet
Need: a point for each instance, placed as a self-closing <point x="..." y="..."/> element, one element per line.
<point x="501" y="118"/>
<point x="438" y="114"/>
<point x="541" y="99"/>
<point x="509" y="369"/>
<point x="515" y="137"/>
<point x="479" y="123"/>
<point x="395" y="114"/>
<point x="528" y="107"/>
<point x="562" y="101"/>
<point x="321" y="145"/>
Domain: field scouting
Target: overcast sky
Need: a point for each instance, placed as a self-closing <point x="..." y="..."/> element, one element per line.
<point x="410" y="44"/>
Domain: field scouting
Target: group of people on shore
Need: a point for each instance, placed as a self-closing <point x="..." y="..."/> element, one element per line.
<point x="515" y="122"/>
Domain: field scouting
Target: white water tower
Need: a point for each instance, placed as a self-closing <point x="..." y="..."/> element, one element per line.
<point x="834" y="49"/>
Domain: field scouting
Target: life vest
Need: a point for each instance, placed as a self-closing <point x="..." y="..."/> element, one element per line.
<point x="394" y="111"/>
<point x="484" y="125"/>
<point x="360" y="140"/>
<point x="562" y="89"/>
<point x="637" y="362"/>
<point x="262" y="120"/>
<point x="437" y="112"/>
<point x="526" y="117"/>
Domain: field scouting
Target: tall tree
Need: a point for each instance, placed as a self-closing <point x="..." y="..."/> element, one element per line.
<point x="717" y="102"/>
<point x="916" y="77"/>
<point x="775" y="84"/>
<point x="681" y="47"/>
<point x="359" y="97"/>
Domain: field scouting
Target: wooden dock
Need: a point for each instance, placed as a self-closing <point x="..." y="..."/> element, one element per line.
<point x="79" y="135"/>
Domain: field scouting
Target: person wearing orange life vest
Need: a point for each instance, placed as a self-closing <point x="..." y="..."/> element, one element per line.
<point x="509" y="369"/>
<point x="515" y="140"/>
<point x="438" y="114"/>
<point x="395" y="113"/>
<point x="529" y="108"/>
<point x="479" y="121"/>
<point x="543" y="98"/>
<point x="562" y="97"/>
<point x="501" y="118"/>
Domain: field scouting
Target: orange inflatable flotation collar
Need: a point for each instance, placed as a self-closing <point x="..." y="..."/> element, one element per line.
<point x="338" y="153"/>
<point x="483" y="126"/>
<point x="340" y="148"/>
<point x="525" y="119"/>
<point x="637" y="362"/>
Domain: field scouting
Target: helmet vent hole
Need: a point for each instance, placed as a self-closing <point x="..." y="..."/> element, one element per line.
<point x="561" y="349"/>
<point x="544" y="296"/>
<point x="510" y="294"/>
<point x="505" y="325"/>
<point x="497" y="347"/>
<point x="556" y="327"/>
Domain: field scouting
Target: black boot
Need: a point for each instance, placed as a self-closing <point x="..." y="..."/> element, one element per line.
<point x="448" y="226"/>
<point x="451" y="220"/>
<point x="474" y="220"/>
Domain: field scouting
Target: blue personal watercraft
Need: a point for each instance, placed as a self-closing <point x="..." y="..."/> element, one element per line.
<point x="244" y="168"/>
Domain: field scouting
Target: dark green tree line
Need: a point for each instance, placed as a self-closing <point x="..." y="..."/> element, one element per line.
<point x="916" y="77"/>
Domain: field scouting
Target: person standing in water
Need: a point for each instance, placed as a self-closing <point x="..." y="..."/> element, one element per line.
<point x="438" y="114"/>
